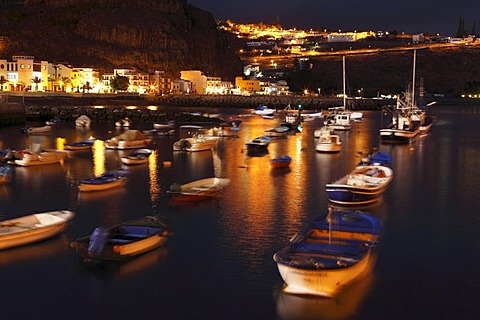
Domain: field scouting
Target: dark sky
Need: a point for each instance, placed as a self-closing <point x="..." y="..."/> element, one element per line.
<point x="410" y="16"/>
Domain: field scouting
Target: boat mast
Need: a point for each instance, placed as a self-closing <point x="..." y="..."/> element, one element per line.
<point x="412" y="100"/>
<point x="344" y="86"/>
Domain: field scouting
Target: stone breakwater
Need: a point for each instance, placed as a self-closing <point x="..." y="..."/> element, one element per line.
<point x="113" y="107"/>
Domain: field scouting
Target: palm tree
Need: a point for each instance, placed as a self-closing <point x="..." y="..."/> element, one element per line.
<point x="3" y="80"/>
<point x="37" y="81"/>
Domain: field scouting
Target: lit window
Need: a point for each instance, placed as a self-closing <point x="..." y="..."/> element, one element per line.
<point x="22" y="66"/>
<point x="28" y="66"/>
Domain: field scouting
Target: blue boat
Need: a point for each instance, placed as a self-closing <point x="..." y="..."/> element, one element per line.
<point x="378" y="158"/>
<point x="329" y="253"/>
<point x="259" y="143"/>
<point x="108" y="180"/>
<point x="81" y="145"/>
<point x="281" y="162"/>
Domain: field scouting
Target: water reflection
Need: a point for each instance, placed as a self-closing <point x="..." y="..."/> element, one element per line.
<point x="38" y="251"/>
<point x="153" y="180"/>
<point x="99" y="160"/>
<point x="344" y="306"/>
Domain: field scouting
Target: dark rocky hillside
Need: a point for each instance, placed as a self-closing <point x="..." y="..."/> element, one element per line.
<point x="169" y="35"/>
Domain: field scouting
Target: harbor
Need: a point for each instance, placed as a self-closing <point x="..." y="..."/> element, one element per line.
<point x="219" y="254"/>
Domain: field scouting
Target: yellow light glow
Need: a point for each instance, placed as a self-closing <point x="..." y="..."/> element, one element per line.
<point x="59" y="143"/>
<point x="99" y="160"/>
<point x="153" y="108"/>
<point x="131" y="107"/>
<point x="99" y="107"/>
<point x="153" y="175"/>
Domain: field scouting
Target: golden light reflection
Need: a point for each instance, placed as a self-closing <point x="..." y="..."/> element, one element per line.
<point x="131" y="107"/>
<point x="59" y="143"/>
<point x="99" y="107"/>
<point x="99" y="160"/>
<point x="152" y="108"/>
<point x="153" y="178"/>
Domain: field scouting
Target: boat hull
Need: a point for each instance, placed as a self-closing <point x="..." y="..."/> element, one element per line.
<point x="87" y="187"/>
<point x="352" y="195"/>
<point x="327" y="283"/>
<point x="398" y="136"/>
<point x="13" y="234"/>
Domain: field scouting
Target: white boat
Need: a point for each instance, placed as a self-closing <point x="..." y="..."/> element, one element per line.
<point x="130" y="139"/>
<point x="329" y="254"/>
<point x="33" y="228"/>
<point x="328" y="142"/>
<point x="108" y="180"/>
<point x="361" y="186"/>
<point x="167" y="125"/>
<point x="198" y="142"/>
<point x="277" y="131"/>
<point x="264" y="111"/>
<point x="198" y="190"/>
<point x="83" y="122"/>
<point x="408" y="120"/>
<point x="38" y="130"/>
<point x="122" y="123"/>
<point x="139" y="156"/>
<point x="28" y="158"/>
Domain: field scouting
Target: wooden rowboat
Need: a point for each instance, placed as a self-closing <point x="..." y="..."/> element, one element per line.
<point x="33" y="228"/>
<point x="207" y="188"/>
<point x="123" y="241"/>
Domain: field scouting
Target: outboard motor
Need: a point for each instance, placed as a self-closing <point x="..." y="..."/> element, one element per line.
<point x="98" y="239"/>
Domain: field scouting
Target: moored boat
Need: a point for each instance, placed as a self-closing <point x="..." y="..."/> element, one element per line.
<point x="259" y="143"/>
<point x="361" y="186"/>
<point x="327" y="142"/>
<point x="33" y="228"/>
<point x="207" y="188"/>
<point x="80" y="145"/>
<point x="83" y="121"/>
<point x="198" y="142"/>
<point x="329" y="253"/>
<point x="277" y="131"/>
<point x="105" y="181"/>
<point x="130" y="139"/>
<point x="123" y="241"/>
<point x="139" y="156"/>
<point x="28" y="158"/>
<point x="122" y="123"/>
<point x="5" y="174"/>
<point x="281" y="162"/>
<point x="38" y="130"/>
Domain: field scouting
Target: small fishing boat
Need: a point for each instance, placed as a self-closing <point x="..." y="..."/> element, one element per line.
<point x="130" y="139"/>
<point x="28" y="158"/>
<point x="259" y="143"/>
<point x="107" y="180"/>
<point x="207" y="188"/>
<point x="123" y="241"/>
<point x="33" y="228"/>
<point x="329" y="253"/>
<point x="166" y="125"/>
<point x="5" y="174"/>
<point x="327" y="142"/>
<point x="361" y="186"/>
<point x="83" y="122"/>
<point x="281" y="162"/>
<point x="376" y="158"/>
<point x="80" y="145"/>
<point x="53" y="122"/>
<point x="139" y="156"/>
<point x="264" y="111"/>
<point x="38" y="130"/>
<point x="277" y="131"/>
<point x="122" y="123"/>
<point x="198" y="142"/>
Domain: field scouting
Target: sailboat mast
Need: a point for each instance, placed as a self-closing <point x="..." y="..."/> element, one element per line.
<point x="344" y="86"/>
<point x="413" y="81"/>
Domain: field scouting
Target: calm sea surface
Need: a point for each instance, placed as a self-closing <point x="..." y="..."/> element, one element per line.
<point x="218" y="264"/>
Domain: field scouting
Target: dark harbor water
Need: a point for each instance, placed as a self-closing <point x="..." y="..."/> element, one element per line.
<point x="218" y="264"/>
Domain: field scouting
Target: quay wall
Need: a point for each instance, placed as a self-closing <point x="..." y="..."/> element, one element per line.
<point x="45" y="105"/>
<point x="12" y="111"/>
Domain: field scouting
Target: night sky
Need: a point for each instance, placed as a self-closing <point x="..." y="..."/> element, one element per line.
<point x="410" y="16"/>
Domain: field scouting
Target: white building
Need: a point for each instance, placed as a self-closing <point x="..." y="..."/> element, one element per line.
<point x="23" y="73"/>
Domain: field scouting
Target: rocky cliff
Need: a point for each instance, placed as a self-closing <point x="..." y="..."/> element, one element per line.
<point x="148" y="35"/>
